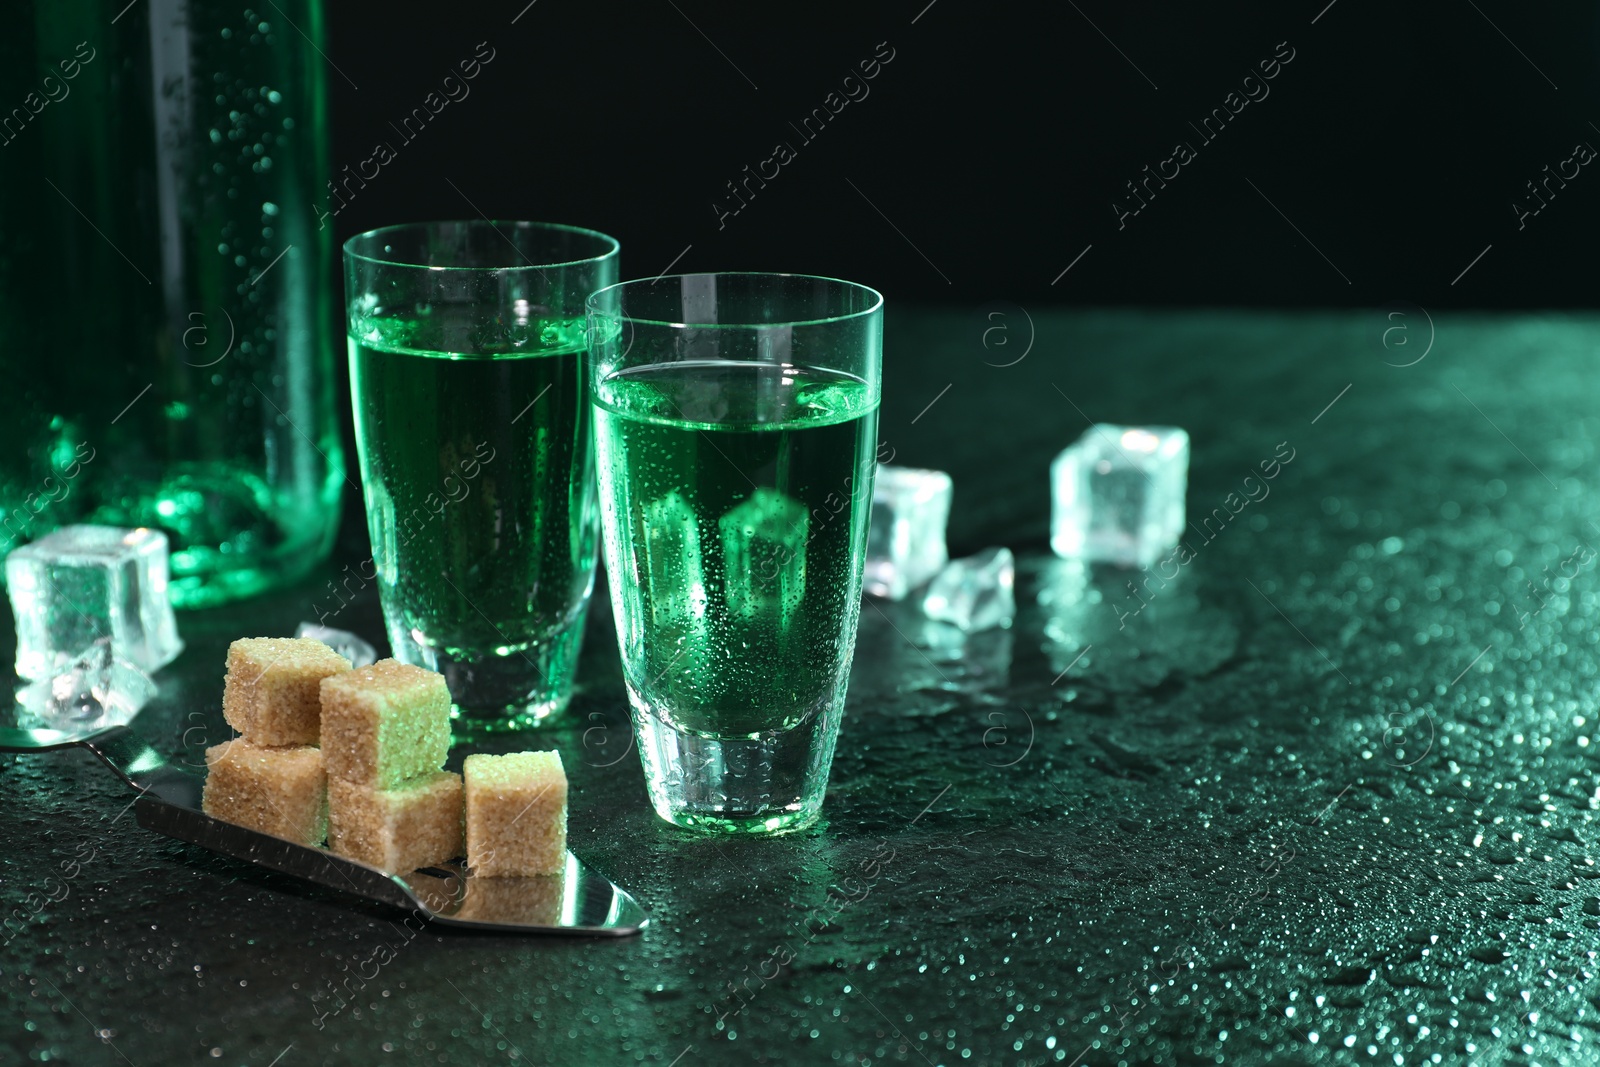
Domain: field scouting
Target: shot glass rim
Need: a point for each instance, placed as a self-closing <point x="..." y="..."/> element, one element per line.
<point x="351" y="253"/>
<point x="593" y="308"/>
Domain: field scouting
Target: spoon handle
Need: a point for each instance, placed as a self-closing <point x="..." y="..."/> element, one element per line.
<point x="138" y="763"/>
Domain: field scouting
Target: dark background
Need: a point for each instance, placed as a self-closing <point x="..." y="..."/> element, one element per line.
<point x="991" y="147"/>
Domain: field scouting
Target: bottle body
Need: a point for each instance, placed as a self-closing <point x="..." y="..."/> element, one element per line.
<point x="165" y="286"/>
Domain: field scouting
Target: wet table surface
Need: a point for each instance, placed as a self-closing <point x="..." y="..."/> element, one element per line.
<point x="1322" y="788"/>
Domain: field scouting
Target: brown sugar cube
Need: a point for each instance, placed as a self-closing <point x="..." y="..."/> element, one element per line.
<point x="533" y="901"/>
<point x="385" y="723"/>
<point x="516" y="814"/>
<point x="415" y="825"/>
<point x="278" y="791"/>
<point x="272" y="693"/>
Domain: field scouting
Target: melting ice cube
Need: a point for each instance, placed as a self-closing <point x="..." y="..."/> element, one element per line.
<point x="80" y="584"/>
<point x="1117" y="494"/>
<point x="906" y="546"/>
<point x="974" y="593"/>
<point x="96" y="690"/>
<point x="764" y="554"/>
<point x="670" y="561"/>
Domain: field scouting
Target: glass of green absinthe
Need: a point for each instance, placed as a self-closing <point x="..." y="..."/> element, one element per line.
<point x="469" y="378"/>
<point x="736" y="422"/>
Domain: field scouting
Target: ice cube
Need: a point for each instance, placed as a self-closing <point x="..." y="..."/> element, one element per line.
<point x="1117" y="494"/>
<point x="79" y="584"/>
<point x="764" y="554"/>
<point x="974" y="593"/>
<point x="96" y="690"/>
<point x="671" y="561"/>
<point x="347" y="644"/>
<point x="906" y="546"/>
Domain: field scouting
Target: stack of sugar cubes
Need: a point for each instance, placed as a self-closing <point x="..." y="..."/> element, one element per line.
<point x="355" y="757"/>
<point x="385" y="734"/>
<point x="273" y="778"/>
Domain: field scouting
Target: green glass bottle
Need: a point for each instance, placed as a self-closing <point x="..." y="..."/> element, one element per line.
<point x="166" y="297"/>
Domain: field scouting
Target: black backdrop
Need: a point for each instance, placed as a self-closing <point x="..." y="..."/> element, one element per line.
<point x="1389" y="153"/>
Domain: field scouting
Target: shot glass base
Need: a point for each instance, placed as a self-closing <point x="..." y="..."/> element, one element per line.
<point x="478" y="723"/>
<point x="501" y="692"/>
<point x="766" y="785"/>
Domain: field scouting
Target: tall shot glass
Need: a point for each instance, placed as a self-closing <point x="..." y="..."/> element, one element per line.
<point x="469" y="378"/>
<point x="736" y="420"/>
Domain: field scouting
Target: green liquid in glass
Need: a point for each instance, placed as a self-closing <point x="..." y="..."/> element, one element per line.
<point x="742" y="493"/>
<point x="480" y="492"/>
